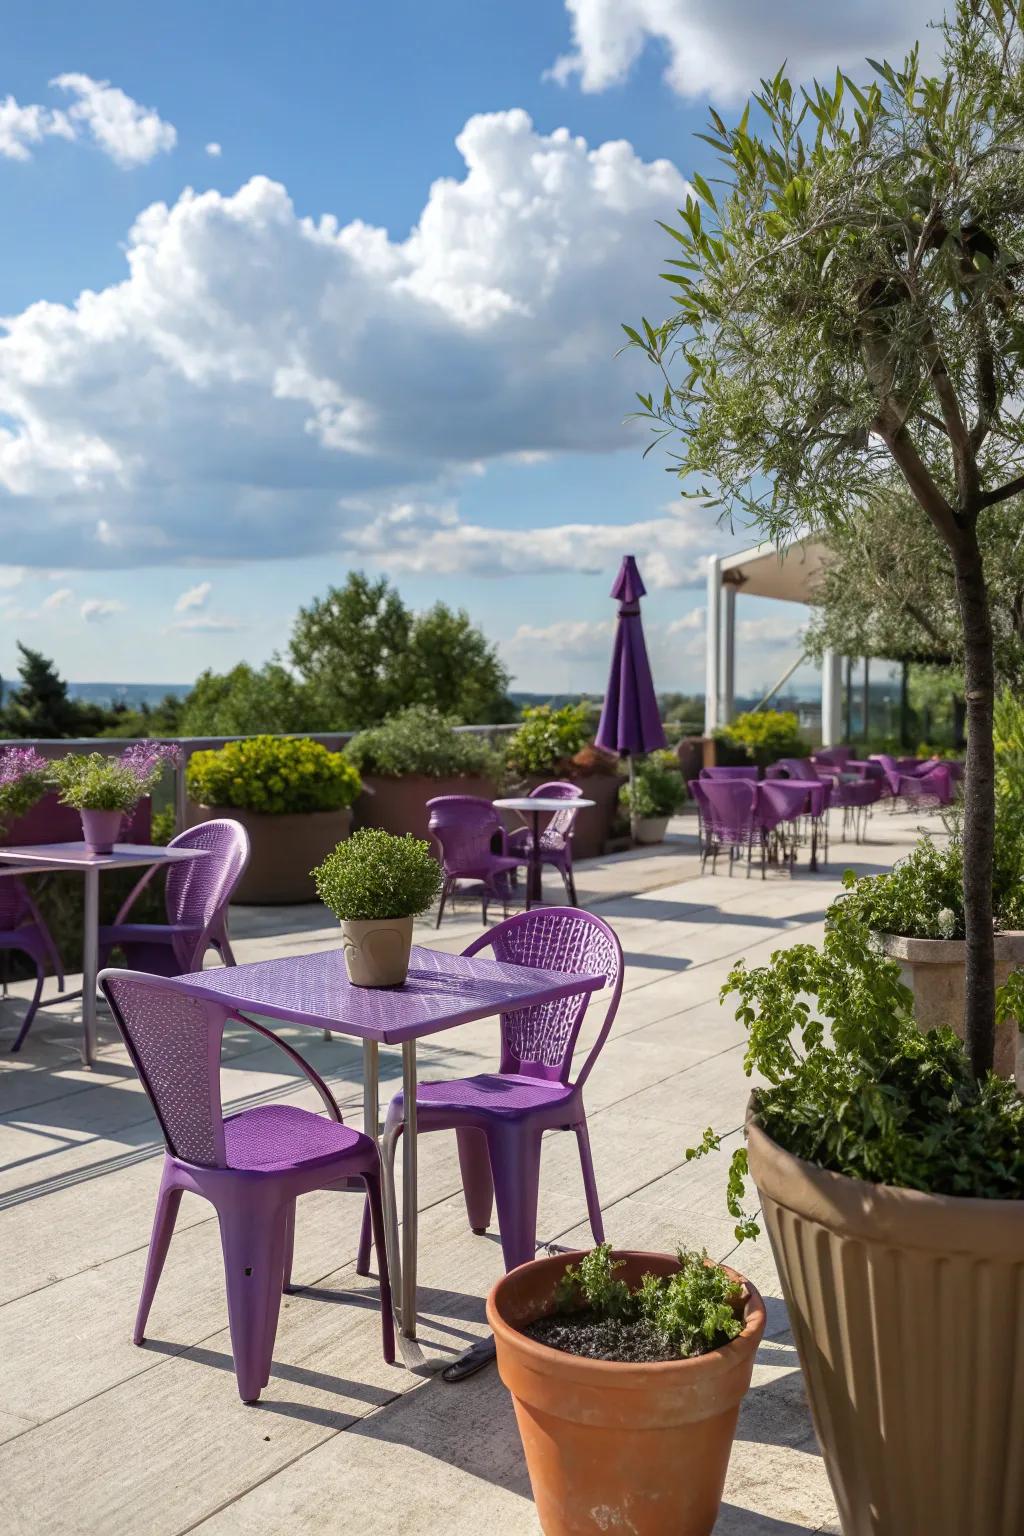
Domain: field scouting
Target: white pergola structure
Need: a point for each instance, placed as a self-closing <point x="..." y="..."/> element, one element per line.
<point x="790" y="575"/>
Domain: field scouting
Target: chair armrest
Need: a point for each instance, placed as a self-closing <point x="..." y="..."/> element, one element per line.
<point x="329" y="1101"/>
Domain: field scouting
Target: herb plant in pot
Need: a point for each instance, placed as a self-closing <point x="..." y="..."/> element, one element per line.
<point x="376" y="884"/>
<point x="292" y="796"/>
<point x="104" y="789"/>
<point x="627" y="1371"/>
<point x="891" y="1182"/>
<point x="659" y="792"/>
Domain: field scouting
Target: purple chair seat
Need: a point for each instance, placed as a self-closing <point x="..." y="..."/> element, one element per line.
<point x="276" y="1137"/>
<point x="471" y="1099"/>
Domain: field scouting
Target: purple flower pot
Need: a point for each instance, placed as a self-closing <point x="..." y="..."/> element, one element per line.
<point x="100" y="829"/>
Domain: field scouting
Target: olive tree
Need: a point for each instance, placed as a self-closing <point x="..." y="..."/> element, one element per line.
<point x="847" y="300"/>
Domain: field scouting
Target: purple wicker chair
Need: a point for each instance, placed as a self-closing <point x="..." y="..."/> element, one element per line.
<point x="197" y="897"/>
<point x="728" y="813"/>
<point x="746" y="771"/>
<point x="927" y="783"/>
<point x="22" y="927"/>
<point x="499" y="1117"/>
<point x="250" y="1166"/>
<point x="468" y="831"/>
<point x="833" y="759"/>
<point x="556" y="838"/>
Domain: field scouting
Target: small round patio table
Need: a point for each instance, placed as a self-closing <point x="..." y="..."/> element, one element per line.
<point x="536" y="806"/>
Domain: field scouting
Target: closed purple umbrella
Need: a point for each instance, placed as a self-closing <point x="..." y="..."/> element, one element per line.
<point x="630" y="720"/>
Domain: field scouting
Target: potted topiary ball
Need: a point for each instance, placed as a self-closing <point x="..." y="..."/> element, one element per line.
<point x="375" y="884"/>
<point x="627" y="1371"/>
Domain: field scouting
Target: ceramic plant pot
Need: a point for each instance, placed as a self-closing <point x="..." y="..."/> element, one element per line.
<point x="613" y="1447"/>
<point x="650" y="829"/>
<point x="377" y="950"/>
<point x="906" y="1311"/>
<point x="100" y="829"/>
<point x="934" y="969"/>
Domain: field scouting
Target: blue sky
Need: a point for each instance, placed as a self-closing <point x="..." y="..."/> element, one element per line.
<point x="216" y="401"/>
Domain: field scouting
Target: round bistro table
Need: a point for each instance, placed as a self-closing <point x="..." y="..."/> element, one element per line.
<point x="536" y="806"/>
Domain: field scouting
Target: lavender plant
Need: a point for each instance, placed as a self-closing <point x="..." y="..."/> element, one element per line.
<point x="23" y="781"/>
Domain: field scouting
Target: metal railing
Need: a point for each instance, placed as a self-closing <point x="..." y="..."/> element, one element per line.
<point x="110" y="746"/>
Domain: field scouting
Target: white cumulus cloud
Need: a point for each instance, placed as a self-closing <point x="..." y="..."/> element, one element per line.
<point x="204" y="623"/>
<point x="194" y="597"/>
<point x="722" y="48"/>
<point x="129" y="133"/>
<point x="96" y="608"/>
<point x="214" y="149"/>
<point x="22" y="128"/>
<point x="257" y="371"/>
<point x="58" y="598"/>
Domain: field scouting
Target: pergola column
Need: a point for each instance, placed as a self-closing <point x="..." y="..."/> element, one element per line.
<point x="713" y="646"/>
<point x="726" y="707"/>
<point x="831" y="699"/>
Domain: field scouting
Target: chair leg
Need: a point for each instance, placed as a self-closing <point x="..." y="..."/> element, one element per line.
<point x="167" y="1203"/>
<point x="289" y="1249"/>
<point x="32" y="1007"/>
<point x="477" y="1184"/>
<point x="572" y="885"/>
<point x="387" y="1316"/>
<point x="253" y="1240"/>
<point x="445" y="892"/>
<point x="590" y="1183"/>
<point x="365" y="1240"/>
<point x="515" y="1165"/>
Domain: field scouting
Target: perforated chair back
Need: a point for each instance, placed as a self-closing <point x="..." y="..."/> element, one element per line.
<point x="465" y="828"/>
<point x="198" y="890"/>
<point x="540" y="1041"/>
<point x="560" y="828"/>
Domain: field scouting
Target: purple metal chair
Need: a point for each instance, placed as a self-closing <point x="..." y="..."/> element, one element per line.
<point x="833" y="759"/>
<point x="250" y="1166"/>
<point x="556" y="838"/>
<point x="23" y="927"/>
<point x="855" y="797"/>
<point x="499" y="1117"/>
<point x="197" y="896"/>
<point x="728" y="811"/>
<point x="928" y="783"/>
<point x="468" y="831"/>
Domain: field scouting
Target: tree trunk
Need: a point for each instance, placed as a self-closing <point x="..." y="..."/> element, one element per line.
<point x="979" y="802"/>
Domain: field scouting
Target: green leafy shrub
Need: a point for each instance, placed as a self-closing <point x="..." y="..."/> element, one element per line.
<point x="93" y="782"/>
<point x="660" y="790"/>
<point x="548" y="739"/>
<point x="853" y="1086"/>
<point x="375" y="875"/>
<point x="764" y="735"/>
<point x="691" y="1311"/>
<point x="419" y="740"/>
<point x="275" y="775"/>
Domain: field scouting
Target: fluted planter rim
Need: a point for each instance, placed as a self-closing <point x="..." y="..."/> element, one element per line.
<point x="882" y="1213"/>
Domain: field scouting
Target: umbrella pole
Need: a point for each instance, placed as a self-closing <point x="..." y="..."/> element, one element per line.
<point x="632" y="798"/>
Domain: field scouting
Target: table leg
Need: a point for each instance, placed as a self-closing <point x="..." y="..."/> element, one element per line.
<point x="533" y="883"/>
<point x="90" y="964"/>
<point x="410" y="1192"/>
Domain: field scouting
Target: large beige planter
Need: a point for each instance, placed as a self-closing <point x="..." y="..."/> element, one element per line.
<point x="908" y="1315"/>
<point x="283" y="850"/>
<point x="399" y="805"/>
<point x="933" y="969"/>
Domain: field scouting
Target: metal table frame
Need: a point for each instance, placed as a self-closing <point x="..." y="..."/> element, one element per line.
<point x="443" y="991"/>
<point x="537" y="806"/>
<point x="51" y="858"/>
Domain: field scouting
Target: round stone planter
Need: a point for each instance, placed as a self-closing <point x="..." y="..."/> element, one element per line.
<point x="283" y="850"/>
<point x="399" y="805"/>
<point x="618" y="1447"/>
<point x="376" y="950"/>
<point x="650" y="829"/>
<point x="906" y="1311"/>
<point x="933" y="969"/>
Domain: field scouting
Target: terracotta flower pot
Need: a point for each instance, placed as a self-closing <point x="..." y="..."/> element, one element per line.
<point x="100" y="829"/>
<point x="377" y="950"/>
<point x="613" y="1447"/>
<point x="906" y="1310"/>
<point x="933" y="969"/>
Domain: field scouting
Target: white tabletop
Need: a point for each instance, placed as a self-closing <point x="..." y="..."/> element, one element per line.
<point x="542" y="803"/>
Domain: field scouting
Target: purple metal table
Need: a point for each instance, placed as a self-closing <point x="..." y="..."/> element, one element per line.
<point x="441" y="991"/>
<point x="46" y="858"/>
<point x="536" y="806"/>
